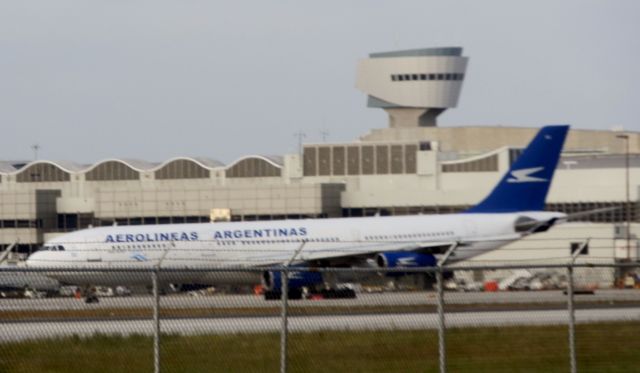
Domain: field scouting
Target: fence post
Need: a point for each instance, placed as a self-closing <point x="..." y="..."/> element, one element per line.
<point x="572" y="321"/>
<point x="442" y="347"/>
<point x="284" y="288"/>
<point x="571" y="307"/>
<point x="156" y="321"/>
<point x="442" y="350"/>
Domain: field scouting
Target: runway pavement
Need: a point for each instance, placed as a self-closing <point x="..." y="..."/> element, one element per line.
<point x="183" y="301"/>
<point x="614" y="305"/>
<point x="230" y="325"/>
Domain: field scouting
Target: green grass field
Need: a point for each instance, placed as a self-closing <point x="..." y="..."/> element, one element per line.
<point x="607" y="347"/>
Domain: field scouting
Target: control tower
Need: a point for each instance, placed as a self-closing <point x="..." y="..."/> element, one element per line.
<point x="413" y="86"/>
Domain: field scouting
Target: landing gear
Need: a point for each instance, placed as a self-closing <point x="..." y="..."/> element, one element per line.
<point x="297" y="293"/>
<point x="91" y="296"/>
<point x="341" y="293"/>
<point x="294" y="293"/>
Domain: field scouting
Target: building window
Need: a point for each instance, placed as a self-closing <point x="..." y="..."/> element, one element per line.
<point x="353" y="160"/>
<point x="338" y="160"/>
<point x="424" y="76"/>
<point x="367" y="160"/>
<point x="396" y="159"/>
<point x="382" y="159"/>
<point x="410" y="159"/>
<point x="324" y="161"/>
<point x="309" y="162"/>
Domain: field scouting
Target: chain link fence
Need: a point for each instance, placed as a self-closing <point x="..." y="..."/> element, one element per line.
<point x="543" y="317"/>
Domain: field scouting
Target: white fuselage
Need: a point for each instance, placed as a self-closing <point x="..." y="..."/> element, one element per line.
<point x="266" y="243"/>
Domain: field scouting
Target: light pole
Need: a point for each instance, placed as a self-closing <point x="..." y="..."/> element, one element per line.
<point x="35" y="148"/>
<point x="628" y="204"/>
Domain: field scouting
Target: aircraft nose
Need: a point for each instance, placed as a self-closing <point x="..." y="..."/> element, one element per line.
<point x="37" y="259"/>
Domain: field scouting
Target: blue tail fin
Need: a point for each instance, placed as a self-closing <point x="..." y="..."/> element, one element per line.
<point x="525" y="186"/>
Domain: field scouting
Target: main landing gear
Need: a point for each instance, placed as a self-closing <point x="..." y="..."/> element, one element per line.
<point x="299" y="293"/>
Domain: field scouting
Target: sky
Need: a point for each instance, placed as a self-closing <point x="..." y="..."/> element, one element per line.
<point x="90" y="80"/>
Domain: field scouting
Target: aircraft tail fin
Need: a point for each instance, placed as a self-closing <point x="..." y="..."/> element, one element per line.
<point x="525" y="186"/>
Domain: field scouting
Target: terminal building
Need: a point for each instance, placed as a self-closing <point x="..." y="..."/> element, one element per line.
<point x="413" y="166"/>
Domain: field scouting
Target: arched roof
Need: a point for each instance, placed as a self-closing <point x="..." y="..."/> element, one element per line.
<point x="274" y="160"/>
<point x="135" y="164"/>
<point x="66" y="166"/>
<point x="207" y="163"/>
<point x="6" y="167"/>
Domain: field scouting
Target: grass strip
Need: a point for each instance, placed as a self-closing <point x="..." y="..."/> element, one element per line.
<point x="602" y="347"/>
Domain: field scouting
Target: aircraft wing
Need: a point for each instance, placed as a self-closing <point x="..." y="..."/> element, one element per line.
<point x="360" y="252"/>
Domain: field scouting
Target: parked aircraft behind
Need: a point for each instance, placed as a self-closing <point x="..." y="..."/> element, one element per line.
<point x="513" y="210"/>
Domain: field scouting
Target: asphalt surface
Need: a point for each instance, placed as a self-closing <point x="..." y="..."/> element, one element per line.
<point x="546" y="312"/>
<point x="183" y="301"/>
<point x="231" y="325"/>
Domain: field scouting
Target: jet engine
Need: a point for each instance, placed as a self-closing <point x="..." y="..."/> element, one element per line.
<point x="404" y="260"/>
<point x="272" y="280"/>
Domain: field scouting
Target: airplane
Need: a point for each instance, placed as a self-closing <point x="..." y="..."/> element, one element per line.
<point x="22" y="282"/>
<point x="513" y="209"/>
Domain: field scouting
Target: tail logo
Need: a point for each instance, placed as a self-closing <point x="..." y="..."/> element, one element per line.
<point x="406" y="262"/>
<point x="524" y="175"/>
